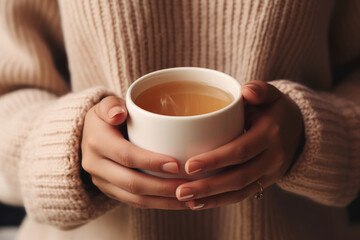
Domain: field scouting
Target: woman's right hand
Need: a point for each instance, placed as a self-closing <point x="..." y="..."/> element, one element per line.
<point x="112" y="161"/>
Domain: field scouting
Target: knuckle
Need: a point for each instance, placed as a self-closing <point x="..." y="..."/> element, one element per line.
<point x="87" y="165"/>
<point x="152" y="163"/>
<point x="88" y="162"/>
<point x="124" y="158"/>
<point x="242" y="153"/>
<point x="167" y="190"/>
<point x="132" y="186"/>
<point x="91" y="142"/>
<point x="275" y="130"/>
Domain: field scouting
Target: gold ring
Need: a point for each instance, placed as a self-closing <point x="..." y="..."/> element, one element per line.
<point x="259" y="195"/>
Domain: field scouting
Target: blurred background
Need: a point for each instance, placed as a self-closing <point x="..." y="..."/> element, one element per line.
<point x="354" y="210"/>
<point x="10" y="219"/>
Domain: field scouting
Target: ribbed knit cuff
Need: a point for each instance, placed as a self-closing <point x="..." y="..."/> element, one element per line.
<point x="51" y="181"/>
<point x="326" y="171"/>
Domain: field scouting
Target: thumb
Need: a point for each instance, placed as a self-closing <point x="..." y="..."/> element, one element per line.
<point x="111" y="110"/>
<point x="259" y="93"/>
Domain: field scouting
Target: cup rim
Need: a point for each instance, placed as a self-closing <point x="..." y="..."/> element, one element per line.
<point x="129" y="100"/>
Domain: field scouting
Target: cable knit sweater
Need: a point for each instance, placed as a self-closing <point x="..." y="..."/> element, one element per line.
<point x="57" y="59"/>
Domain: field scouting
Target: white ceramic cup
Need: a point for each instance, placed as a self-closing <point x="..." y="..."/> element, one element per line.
<point x="184" y="136"/>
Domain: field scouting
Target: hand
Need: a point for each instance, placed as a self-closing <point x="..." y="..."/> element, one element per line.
<point x="112" y="161"/>
<point x="265" y="152"/>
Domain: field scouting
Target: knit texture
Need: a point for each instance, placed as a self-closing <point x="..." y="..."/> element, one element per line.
<point x="320" y="173"/>
<point x="57" y="61"/>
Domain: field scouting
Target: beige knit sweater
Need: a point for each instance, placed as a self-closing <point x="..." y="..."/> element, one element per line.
<point x="106" y="45"/>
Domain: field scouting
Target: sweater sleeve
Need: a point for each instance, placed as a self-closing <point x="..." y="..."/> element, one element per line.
<point x="328" y="169"/>
<point x="41" y="120"/>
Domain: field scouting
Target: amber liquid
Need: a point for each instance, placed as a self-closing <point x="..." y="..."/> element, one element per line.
<point x="183" y="98"/>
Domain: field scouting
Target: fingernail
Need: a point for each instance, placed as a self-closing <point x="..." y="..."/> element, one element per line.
<point x="195" y="167"/>
<point x="186" y="193"/>
<point x="198" y="206"/>
<point x="115" y="111"/>
<point x="170" y="167"/>
<point x="254" y="88"/>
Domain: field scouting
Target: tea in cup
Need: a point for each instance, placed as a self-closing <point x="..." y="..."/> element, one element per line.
<point x="182" y="112"/>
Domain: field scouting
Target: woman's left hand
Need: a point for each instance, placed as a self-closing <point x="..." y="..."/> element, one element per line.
<point x="262" y="154"/>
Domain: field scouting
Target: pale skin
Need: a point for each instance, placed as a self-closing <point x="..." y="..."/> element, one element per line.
<point x="265" y="152"/>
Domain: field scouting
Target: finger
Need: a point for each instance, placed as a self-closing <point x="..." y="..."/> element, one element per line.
<point x="230" y="197"/>
<point x="111" y="110"/>
<point x="240" y="150"/>
<point x="110" y="143"/>
<point x="138" y="201"/>
<point x="134" y="182"/>
<point x="230" y="180"/>
<point x="259" y="93"/>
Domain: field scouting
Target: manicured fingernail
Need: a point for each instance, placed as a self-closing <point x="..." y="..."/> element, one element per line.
<point x="170" y="167"/>
<point x="195" y="167"/>
<point x="116" y="111"/>
<point x="198" y="206"/>
<point x="185" y="194"/>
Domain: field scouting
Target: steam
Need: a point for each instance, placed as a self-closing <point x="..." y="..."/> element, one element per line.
<point x="169" y="105"/>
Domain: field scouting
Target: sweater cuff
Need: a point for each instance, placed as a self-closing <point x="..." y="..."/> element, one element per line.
<point x="52" y="185"/>
<point x="324" y="171"/>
